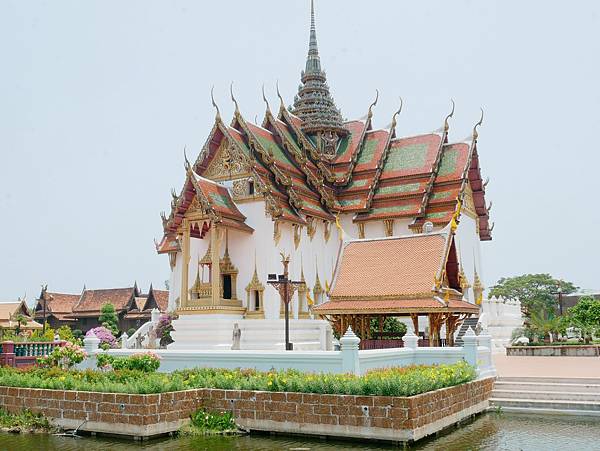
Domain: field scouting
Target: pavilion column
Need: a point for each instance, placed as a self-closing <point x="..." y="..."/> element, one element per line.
<point x="215" y="274"/>
<point x="415" y="321"/>
<point x="185" y="263"/>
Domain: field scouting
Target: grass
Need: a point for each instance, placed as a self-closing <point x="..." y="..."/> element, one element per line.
<point x="203" y="422"/>
<point x="25" y="421"/>
<point x="405" y="381"/>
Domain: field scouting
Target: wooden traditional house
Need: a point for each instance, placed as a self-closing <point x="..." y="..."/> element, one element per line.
<point x="10" y="312"/>
<point x="83" y="311"/>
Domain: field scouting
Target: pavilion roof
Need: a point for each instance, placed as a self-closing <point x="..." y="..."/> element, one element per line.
<point x="389" y="267"/>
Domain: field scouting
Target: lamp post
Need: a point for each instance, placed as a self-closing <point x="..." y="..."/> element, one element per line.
<point x="286" y="289"/>
<point x="560" y="304"/>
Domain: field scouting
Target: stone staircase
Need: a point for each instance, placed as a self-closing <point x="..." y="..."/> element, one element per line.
<point x="469" y="322"/>
<point x="547" y="395"/>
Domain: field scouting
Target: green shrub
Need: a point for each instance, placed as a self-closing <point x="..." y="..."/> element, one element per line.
<point x="77" y="333"/>
<point x="131" y="331"/>
<point x="146" y="362"/>
<point x="212" y="422"/>
<point x="405" y="381"/>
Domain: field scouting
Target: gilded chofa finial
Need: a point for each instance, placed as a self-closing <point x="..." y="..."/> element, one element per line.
<point x="214" y="104"/>
<point x="475" y="133"/>
<point x="265" y="98"/>
<point x="398" y="111"/>
<point x="237" y="108"/>
<point x="370" y="114"/>
<point x="186" y="162"/>
<point x="279" y="94"/>
<point x="446" y="125"/>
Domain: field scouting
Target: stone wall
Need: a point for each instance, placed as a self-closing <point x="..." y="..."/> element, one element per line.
<point x="380" y="417"/>
<point x="554" y="351"/>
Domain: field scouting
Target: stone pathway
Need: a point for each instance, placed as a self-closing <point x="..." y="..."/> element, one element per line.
<point x="565" y="367"/>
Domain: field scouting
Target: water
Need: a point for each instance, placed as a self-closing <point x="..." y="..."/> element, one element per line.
<point x="487" y="432"/>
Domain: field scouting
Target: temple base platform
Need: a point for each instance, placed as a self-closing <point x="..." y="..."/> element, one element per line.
<point x="201" y="331"/>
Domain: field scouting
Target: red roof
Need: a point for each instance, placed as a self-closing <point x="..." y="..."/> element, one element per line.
<point x="92" y="300"/>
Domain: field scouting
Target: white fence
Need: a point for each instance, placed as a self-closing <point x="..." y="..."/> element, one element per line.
<point x="349" y="359"/>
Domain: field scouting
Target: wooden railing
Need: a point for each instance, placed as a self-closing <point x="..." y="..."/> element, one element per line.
<point x="386" y="343"/>
<point x="26" y="353"/>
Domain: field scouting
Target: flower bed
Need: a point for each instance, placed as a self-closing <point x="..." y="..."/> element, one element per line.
<point x="406" y="381"/>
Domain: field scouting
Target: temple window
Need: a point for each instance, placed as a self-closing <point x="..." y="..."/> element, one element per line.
<point x="254" y="295"/>
<point x="226" y="286"/>
<point x="251" y="187"/>
<point x="228" y="277"/>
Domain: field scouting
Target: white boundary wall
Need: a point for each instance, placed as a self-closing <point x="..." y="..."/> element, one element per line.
<point x="349" y="359"/>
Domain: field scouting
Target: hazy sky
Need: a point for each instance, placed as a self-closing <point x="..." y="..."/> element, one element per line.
<point x="99" y="98"/>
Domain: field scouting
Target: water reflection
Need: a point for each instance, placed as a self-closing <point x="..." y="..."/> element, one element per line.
<point x="486" y="433"/>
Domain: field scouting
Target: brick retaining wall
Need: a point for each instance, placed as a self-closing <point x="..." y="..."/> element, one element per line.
<point x="380" y="417"/>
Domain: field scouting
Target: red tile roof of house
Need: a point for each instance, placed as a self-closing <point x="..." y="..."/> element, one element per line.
<point x="92" y="300"/>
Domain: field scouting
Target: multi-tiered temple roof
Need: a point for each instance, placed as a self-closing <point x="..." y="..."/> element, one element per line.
<point x="309" y="164"/>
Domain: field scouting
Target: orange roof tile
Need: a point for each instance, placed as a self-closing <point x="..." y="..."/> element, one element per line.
<point x="400" y="266"/>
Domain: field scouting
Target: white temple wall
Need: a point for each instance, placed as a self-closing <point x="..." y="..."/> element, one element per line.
<point x="469" y="250"/>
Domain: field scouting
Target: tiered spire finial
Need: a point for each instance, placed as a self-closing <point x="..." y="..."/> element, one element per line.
<point x="314" y="103"/>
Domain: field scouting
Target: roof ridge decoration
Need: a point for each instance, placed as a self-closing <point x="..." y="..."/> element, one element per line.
<point x="382" y="159"/>
<point x="345" y="179"/>
<point x="316" y="180"/>
<point x="314" y="104"/>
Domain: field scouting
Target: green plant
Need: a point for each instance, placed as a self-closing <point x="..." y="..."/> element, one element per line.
<point x="25" y="420"/>
<point x="109" y="319"/>
<point x="146" y="362"/>
<point x="21" y="321"/>
<point x="77" y="333"/>
<point x="585" y="316"/>
<point x="40" y="335"/>
<point x="131" y="331"/>
<point x="65" y="333"/>
<point x="405" y="381"/>
<point x="208" y="422"/>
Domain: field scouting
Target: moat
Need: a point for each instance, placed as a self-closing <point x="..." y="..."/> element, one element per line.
<point x="491" y="431"/>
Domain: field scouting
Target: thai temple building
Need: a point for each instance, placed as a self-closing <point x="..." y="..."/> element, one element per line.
<point x="376" y="224"/>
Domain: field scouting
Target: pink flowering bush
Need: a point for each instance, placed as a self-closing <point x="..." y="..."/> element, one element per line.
<point x="63" y="356"/>
<point x="107" y="339"/>
<point x="164" y="329"/>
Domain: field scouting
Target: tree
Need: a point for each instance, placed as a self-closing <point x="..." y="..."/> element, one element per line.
<point x="392" y="327"/>
<point x="544" y="324"/>
<point x="109" y="319"/>
<point x="21" y="321"/>
<point x="536" y="292"/>
<point x="585" y="315"/>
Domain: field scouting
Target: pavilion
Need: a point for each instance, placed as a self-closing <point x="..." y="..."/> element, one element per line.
<point x="411" y="276"/>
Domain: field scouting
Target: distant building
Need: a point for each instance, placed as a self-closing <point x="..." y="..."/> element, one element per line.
<point x="82" y="311"/>
<point x="570" y="300"/>
<point x="9" y="311"/>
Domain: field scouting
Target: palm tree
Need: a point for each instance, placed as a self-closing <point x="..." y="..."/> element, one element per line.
<point x="21" y="321"/>
<point x="545" y="325"/>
